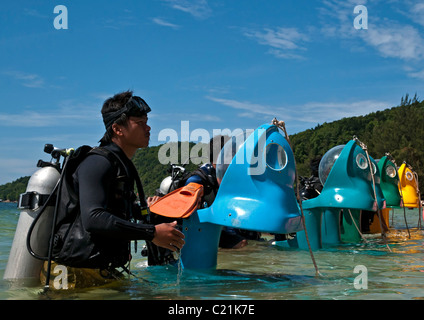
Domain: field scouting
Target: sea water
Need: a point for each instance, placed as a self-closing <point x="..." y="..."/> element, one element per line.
<point x="260" y="271"/>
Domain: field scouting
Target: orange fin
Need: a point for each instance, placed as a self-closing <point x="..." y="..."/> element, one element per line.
<point x="179" y="203"/>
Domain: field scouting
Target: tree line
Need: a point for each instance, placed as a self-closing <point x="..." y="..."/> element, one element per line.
<point x="398" y="131"/>
<point x="11" y="191"/>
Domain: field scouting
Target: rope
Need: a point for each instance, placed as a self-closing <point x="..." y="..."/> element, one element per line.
<point x="401" y="195"/>
<point x="356" y="226"/>
<point x="365" y="148"/>
<point x="404" y="209"/>
<point x="419" y="201"/>
<point x="281" y="124"/>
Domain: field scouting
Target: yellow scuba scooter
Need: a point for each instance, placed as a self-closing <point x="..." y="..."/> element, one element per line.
<point x="408" y="186"/>
<point x="409" y="189"/>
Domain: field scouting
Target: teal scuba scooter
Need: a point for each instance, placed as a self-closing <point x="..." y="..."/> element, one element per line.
<point x="351" y="183"/>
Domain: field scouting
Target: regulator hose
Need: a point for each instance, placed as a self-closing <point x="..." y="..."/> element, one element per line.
<point x="43" y="208"/>
<point x="31" y="228"/>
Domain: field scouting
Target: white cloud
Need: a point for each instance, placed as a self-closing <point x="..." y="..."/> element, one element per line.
<point x="35" y="13"/>
<point x="281" y="38"/>
<point x="29" y="80"/>
<point x="251" y="109"/>
<point x="319" y="112"/>
<point x="417" y="75"/>
<point x="417" y="12"/>
<point x="396" y="41"/>
<point x="305" y="115"/>
<point x="285" y="43"/>
<point x="390" y="38"/>
<point x="164" y="23"/>
<point x="197" y="8"/>
<point x="32" y="119"/>
<point x="337" y="18"/>
<point x="67" y="114"/>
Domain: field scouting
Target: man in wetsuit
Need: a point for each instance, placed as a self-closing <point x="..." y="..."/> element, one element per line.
<point x="126" y="131"/>
<point x="107" y="212"/>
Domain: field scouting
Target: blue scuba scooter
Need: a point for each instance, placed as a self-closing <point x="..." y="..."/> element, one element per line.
<point x="256" y="193"/>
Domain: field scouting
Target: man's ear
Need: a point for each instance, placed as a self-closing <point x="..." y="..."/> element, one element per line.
<point x="117" y="129"/>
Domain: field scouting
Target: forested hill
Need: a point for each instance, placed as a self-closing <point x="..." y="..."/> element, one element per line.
<point x="398" y="131"/>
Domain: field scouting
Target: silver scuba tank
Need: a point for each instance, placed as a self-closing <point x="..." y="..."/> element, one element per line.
<point x="21" y="264"/>
<point x="170" y="183"/>
<point x="165" y="185"/>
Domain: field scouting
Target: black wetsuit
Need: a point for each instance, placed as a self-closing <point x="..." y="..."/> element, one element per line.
<point x="107" y="201"/>
<point x="104" y="211"/>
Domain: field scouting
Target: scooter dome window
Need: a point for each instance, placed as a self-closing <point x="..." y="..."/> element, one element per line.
<point x="374" y="168"/>
<point x="361" y="161"/>
<point x="275" y="156"/>
<point x="327" y="162"/>
<point x="391" y="171"/>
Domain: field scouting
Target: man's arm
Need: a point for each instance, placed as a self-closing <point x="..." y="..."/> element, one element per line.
<point x="94" y="176"/>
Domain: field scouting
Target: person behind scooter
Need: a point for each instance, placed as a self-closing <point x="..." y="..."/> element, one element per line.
<point x="231" y="238"/>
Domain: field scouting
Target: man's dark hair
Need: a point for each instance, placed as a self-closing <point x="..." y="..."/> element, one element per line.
<point x="113" y="104"/>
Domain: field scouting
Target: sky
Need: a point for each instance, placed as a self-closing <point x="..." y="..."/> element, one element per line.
<point x="214" y="65"/>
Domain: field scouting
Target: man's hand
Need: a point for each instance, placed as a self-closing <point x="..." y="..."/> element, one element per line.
<point x="152" y="200"/>
<point x="167" y="236"/>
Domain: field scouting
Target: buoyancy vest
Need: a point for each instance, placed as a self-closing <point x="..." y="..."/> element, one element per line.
<point x="73" y="245"/>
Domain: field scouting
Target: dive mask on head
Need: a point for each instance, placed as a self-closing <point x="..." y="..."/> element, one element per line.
<point x="136" y="107"/>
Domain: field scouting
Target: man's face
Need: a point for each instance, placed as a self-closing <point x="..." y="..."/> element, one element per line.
<point x="137" y="132"/>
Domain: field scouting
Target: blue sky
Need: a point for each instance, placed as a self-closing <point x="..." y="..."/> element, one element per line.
<point x="217" y="64"/>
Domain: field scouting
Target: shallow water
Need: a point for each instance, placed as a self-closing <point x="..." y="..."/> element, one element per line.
<point x="260" y="271"/>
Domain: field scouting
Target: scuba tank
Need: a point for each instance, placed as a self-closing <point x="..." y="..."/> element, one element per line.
<point x="35" y="220"/>
<point x="172" y="182"/>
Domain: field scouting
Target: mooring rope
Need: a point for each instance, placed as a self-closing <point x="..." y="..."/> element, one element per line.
<point x="282" y="125"/>
<point x="419" y="200"/>
<point x="365" y="148"/>
<point x="404" y="209"/>
<point x="356" y="226"/>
